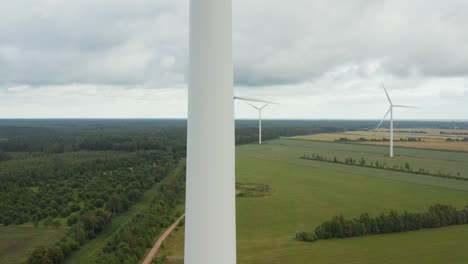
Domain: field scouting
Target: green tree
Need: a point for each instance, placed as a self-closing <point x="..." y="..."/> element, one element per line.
<point x="40" y="256"/>
<point x="56" y="254"/>
<point x="407" y="166"/>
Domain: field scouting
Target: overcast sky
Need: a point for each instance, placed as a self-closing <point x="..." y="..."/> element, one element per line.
<point x="318" y="59"/>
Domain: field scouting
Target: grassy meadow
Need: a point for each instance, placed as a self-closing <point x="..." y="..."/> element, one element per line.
<point x="18" y="242"/>
<point x="305" y="193"/>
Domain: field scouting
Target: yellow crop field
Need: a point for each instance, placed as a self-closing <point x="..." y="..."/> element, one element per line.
<point x="413" y="138"/>
<point x="459" y="146"/>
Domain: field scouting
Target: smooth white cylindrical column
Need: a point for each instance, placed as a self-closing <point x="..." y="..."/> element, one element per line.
<point x="260" y="126"/>
<point x="210" y="230"/>
<point x="391" y="131"/>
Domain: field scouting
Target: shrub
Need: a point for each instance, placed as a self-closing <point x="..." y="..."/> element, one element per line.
<point x="305" y="236"/>
<point x="438" y="215"/>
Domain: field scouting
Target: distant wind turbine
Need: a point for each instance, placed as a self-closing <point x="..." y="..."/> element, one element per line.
<point x="266" y="103"/>
<point x="390" y="111"/>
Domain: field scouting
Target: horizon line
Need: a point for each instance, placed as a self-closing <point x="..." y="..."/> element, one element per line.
<point x="270" y="119"/>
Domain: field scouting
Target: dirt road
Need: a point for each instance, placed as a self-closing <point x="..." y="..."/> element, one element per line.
<point x="161" y="239"/>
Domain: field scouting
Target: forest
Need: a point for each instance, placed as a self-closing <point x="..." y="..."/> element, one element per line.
<point x="81" y="175"/>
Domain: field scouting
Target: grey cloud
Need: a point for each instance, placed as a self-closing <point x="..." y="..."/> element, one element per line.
<point x="299" y="41"/>
<point x="276" y="42"/>
<point x="100" y="42"/>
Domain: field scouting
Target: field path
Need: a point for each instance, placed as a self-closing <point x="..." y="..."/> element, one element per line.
<point x="161" y="239"/>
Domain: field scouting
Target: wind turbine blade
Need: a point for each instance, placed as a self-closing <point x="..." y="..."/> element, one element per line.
<point x="388" y="97"/>
<point x="267" y="104"/>
<point x="405" y="106"/>
<point x="250" y="99"/>
<point x="383" y="119"/>
<point x="253" y="106"/>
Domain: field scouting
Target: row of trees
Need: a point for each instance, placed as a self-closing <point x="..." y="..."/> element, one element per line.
<point x="245" y="135"/>
<point x="362" y="139"/>
<point x="456" y="139"/>
<point x="362" y="162"/>
<point x="438" y="215"/>
<point x="453" y="133"/>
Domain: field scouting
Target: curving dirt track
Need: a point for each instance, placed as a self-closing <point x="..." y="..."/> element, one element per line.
<point x="161" y="239"/>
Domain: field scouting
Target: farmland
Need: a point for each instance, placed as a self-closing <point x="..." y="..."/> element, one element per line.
<point x="67" y="179"/>
<point x="444" y="139"/>
<point x="305" y="193"/>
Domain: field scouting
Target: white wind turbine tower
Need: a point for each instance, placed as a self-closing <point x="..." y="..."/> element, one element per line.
<point x="210" y="233"/>
<point x="390" y="111"/>
<point x="266" y="103"/>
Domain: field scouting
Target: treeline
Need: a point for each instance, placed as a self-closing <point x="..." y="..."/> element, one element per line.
<point x="438" y="215"/>
<point x="245" y="135"/>
<point x="456" y="139"/>
<point x="362" y="162"/>
<point x="363" y="139"/>
<point x="107" y="136"/>
<point x="59" y="143"/>
<point x="454" y="133"/>
<point x="412" y="131"/>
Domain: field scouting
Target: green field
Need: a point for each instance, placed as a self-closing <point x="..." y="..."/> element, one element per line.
<point x="306" y="193"/>
<point x="17" y="242"/>
<point x="452" y="162"/>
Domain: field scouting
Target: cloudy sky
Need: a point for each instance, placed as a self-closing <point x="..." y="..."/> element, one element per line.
<point x="319" y="59"/>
